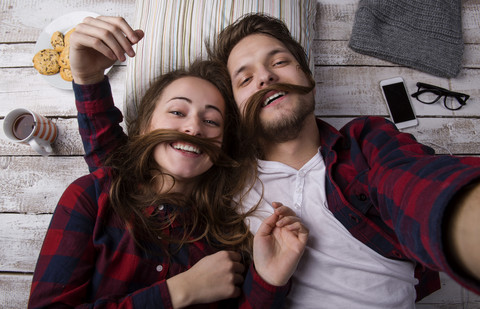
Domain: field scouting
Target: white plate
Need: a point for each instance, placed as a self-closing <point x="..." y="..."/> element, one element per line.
<point x="62" y="24"/>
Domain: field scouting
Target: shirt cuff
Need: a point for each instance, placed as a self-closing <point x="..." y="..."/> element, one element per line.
<point x="284" y="289"/>
<point x="94" y="98"/>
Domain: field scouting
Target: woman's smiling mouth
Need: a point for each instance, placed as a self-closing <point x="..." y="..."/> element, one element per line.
<point x="188" y="148"/>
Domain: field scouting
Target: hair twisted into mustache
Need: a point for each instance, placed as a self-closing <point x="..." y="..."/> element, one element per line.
<point x="142" y="146"/>
<point x="251" y="120"/>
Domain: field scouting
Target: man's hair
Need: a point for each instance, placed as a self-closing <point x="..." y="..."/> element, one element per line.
<point x="257" y="23"/>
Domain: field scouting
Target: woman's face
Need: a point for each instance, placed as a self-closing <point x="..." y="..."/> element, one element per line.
<point x="193" y="106"/>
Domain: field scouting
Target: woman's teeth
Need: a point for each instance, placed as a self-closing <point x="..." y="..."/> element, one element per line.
<point x="185" y="147"/>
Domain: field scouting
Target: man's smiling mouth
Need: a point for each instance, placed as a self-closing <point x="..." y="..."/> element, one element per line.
<point x="273" y="97"/>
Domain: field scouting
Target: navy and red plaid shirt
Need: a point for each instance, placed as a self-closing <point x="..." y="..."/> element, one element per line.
<point x="89" y="259"/>
<point x="388" y="190"/>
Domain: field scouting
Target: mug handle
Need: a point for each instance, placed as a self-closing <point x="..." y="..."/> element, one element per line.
<point x="43" y="150"/>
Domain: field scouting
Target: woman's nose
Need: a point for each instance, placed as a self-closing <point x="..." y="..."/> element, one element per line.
<point x="193" y="127"/>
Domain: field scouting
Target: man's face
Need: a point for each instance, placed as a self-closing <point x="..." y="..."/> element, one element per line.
<point x="259" y="61"/>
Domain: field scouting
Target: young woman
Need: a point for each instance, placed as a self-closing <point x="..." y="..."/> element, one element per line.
<point x="157" y="225"/>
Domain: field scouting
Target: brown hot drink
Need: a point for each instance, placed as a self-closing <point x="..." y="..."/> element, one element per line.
<point x="23" y="126"/>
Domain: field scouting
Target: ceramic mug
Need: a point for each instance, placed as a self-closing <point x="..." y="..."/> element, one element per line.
<point x="24" y="126"/>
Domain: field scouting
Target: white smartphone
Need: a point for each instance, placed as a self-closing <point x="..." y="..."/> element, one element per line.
<point x="398" y="102"/>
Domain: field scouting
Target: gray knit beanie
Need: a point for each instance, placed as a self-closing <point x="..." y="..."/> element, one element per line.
<point x="422" y="34"/>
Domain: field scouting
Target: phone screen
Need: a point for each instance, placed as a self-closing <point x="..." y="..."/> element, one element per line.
<point x="398" y="102"/>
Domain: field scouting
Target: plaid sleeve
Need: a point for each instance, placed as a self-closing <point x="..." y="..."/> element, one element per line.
<point x="259" y="294"/>
<point x="68" y="258"/>
<point x="413" y="188"/>
<point x="98" y="122"/>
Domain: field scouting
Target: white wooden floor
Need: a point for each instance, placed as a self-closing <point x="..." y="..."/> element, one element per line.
<point x="31" y="185"/>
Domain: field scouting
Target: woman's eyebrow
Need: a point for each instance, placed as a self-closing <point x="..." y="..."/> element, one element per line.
<point x="214" y="108"/>
<point x="208" y="106"/>
<point x="180" y="98"/>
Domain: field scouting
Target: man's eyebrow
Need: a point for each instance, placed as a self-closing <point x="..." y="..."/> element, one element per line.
<point x="271" y="53"/>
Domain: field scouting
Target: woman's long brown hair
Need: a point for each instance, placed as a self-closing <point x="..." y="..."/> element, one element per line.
<point x="210" y="211"/>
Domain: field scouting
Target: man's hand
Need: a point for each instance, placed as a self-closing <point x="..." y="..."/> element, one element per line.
<point x="278" y="245"/>
<point x="97" y="43"/>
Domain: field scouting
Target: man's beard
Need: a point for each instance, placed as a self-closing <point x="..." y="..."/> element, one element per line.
<point x="285" y="129"/>
<point x="289" y="126"/>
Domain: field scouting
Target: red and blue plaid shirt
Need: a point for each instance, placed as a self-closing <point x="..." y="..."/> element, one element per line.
<point x="89" y="259"/>
<point x="388" y="190"/>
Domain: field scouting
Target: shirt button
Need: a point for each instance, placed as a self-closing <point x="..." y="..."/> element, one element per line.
<point x="161" y="207"/>
<point x="354" y="218"/>
<point x="362" y="197"/>
<point x="159" y="268"/>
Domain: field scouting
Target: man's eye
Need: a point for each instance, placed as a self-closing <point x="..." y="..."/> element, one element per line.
<point x="245" y="81"/>
<point x="280" y="63"/>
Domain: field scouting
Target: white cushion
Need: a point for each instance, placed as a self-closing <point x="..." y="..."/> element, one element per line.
<point x="176" y="30"/>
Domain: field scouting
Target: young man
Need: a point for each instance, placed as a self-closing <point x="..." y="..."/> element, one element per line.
<point x="379" y="205"/>
<point x="381" y="208"/>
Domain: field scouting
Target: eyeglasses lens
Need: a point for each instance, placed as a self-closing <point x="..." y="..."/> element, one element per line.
<point x="428" y="97"/>
<point x="452" y="103"/>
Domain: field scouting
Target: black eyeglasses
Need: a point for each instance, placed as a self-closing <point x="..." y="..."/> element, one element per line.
<point x="430" y="94"/>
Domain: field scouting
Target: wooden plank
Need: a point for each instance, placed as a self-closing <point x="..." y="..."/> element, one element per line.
<point x="24" y="87"/>
<point x="18" y="55"/>
<point x="35" y="184"/>
<point x="330" y="53"/>
<point x="15" y="290"/>
<point x="23" y="236"/>
<point x="356" y="91"/>
<point x="335" y="19"/>
<point x="22" y="21"/>
<point x="68" y="141"/>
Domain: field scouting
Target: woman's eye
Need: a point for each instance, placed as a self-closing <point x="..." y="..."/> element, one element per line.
<point x="176" y="113"/>
<point x="279" y="63"/>
<point x="212" y="122"/>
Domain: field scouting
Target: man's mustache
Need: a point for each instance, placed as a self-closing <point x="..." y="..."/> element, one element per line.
<point x="251" y="110"/>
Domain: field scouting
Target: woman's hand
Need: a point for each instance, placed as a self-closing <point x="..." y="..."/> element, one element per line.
<point x="97" y="43"/>
<point x="278" y="245"/>
<point x="215" y="277"/>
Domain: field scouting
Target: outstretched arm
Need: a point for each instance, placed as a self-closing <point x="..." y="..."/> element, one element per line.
<point x="278" y="245"/>
<point x="463" y="231"/>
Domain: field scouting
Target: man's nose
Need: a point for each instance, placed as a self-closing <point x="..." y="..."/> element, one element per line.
<point x="266" y="77"/>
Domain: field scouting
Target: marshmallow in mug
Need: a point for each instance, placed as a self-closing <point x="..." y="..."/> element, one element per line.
<point x="24" y="126"/>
